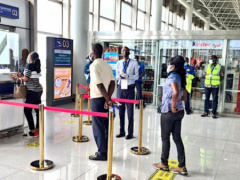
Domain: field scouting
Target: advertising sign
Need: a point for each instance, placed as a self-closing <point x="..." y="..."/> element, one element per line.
<point x="9" y="11"/>
<point x="62" y="57"/>
<point x="174" y="44"/>
<point x="111" y="58"/>
<point x="207" y="44"/>
<point x="62" y="83"/>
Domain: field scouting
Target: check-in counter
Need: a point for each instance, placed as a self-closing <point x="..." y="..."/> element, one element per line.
<point x="10" y="116"/>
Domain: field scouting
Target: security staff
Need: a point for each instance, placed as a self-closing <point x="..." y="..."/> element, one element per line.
<point x="141" y="72"/>
<point x="213" y="75"/>
<point x="190" y="76"/>
<point x="126" y="74"/>
<point x="101" y="89"/>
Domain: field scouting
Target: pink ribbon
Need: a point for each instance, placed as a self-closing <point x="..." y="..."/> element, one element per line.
<point x="19" y="104"/>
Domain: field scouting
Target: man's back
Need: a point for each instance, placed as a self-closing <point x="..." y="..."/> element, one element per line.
<point x="100" y="72"/>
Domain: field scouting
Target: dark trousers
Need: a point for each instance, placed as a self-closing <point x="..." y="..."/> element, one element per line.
<point x="171" y="123"/>
<point x="32" y="98"/>
<point x="100" y="126"/>
<point x="187" y="103"/>
<point x="208" y="92"/>
<point x="126" y="94"/>
<point x="139" y="89"/>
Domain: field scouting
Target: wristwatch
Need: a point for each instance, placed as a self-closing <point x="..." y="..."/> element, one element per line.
<point x="173" y="108"/>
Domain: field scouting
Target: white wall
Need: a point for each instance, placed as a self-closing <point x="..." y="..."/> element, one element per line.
<point x="21" y="24"/>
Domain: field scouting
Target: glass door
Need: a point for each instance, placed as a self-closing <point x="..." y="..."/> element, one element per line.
<point x="232" y="78"/>
<point x="201" y="52"/>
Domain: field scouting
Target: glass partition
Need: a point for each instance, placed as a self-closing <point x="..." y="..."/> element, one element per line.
<point x="232" y="78"/>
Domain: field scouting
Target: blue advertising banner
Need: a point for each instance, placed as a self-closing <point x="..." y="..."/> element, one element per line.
<point x="61" y="43"/>
<point x="9" y="11"/>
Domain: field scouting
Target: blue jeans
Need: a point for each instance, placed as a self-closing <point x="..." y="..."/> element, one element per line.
<point x="208" y="92"/>
<point x="100" y="126"/>
<point x="171" y="124"/>
<point x="187" y="103"/>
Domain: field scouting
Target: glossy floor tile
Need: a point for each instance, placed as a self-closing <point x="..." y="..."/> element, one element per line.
<point x="212" y="148"/>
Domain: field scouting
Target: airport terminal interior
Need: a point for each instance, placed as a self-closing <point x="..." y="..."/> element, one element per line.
<point x="59" y="36"/>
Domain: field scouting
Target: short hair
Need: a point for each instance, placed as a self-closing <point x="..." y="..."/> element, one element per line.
<point x="126" y="48"/>
<point x="214" y="57"/>
<point x="97" y="49"/>
<point x="186" y="58"/>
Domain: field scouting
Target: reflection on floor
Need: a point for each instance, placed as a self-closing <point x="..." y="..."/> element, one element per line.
<point x="212" y="149"/>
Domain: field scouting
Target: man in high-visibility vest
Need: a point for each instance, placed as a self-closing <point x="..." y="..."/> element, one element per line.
<point x="190" y="76"/>
<point x="213" y="76"/>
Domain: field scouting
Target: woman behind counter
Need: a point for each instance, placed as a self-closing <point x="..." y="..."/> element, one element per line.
<point x="21" y="64"/>
<point x="34" y="91"/>
<point x="172" y="114"/>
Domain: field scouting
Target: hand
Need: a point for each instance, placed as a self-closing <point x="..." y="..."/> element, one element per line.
<point x="174" y="110"/>
<point x="13" y="76"/>
<point x="109" y="103"/>
<point x="19" y="74"/>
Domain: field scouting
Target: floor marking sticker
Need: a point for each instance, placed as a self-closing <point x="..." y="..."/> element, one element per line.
<point x="33" y="145"/>
<point x="69" y="122"/>
<point x="165" y="175"/>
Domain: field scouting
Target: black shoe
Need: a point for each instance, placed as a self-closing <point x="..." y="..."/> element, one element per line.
<point x="120" y="135"/>
<point x="97" y="158"/>
<point x="214" y="116"/>
<point x="129" y="136"/>
<point x="188" y="113"/>
<point x="204" y="114"/>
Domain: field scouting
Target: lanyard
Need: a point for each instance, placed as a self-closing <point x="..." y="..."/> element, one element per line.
<point x="125" y="66"/>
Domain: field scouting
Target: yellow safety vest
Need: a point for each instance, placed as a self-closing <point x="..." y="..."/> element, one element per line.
<point x="213" y="76"/>
<point x="189" y="79"/>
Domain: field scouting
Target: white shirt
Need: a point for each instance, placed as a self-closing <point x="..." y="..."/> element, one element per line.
<point x="132" y="71"/>
<point x="100" y="73"/>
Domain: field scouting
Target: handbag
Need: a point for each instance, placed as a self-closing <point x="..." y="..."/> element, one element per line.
<point x="20" y="91"/>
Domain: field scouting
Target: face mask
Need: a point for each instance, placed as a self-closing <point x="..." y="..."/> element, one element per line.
<point x="27" y="61"/>
<point x="185" y="64"/>
<point x="169" y="68"/>
<point x="210" y="61"/>
<point x="90" y="57"/>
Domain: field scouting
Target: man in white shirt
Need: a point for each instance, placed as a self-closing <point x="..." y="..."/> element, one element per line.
<point x="126" y="74"/>
<point x="102" y="86"/>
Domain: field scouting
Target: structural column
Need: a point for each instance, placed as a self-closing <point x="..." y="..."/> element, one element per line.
<point x="207" y="24"/>
<point x="79" y="34"/>
<point x="156" y="15"/>
<point x="188" y="16"/>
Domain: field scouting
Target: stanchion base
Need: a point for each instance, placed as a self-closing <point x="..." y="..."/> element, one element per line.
<point x="104" y="177"/>
<point x="74" y="115"/>
<point x="143" y="151"/>
<point x="47" y="164"/>
<point x="81" y="139"/>
<point x="89" y="123"/>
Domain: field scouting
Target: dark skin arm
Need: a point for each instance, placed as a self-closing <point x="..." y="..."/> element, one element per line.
<point x="143" y="73"/>
<point x="108" y="95"/>
<point x="184" y="97"/>
<point x="175" y="96"/>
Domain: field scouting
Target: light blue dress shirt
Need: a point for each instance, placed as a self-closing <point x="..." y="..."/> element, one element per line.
<point x="132" y="71"/>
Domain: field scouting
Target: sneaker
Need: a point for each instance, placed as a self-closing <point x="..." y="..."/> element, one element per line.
<point x="180" y="170"/>
<point x="31" y="134"/>
<point x="161" y="166"/>
<point x="214" y="116"/>
<point x="204" y="114"/>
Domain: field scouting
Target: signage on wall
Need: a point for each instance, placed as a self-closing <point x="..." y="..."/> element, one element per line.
<point x="111" y="58"/>
<point x="234" y="44"/>
<point x="61" y="43"/>
<point x="174" y="44"/>
<point x="9" y="11"/>
<point x="62" y="57"/>
<point x="207" y="44"/>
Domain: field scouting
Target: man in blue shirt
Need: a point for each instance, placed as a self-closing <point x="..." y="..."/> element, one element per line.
<point x="189" y="70"/>
<point x="141" y="72"/>
<point x="126" y="75"/>
<point x="87" y="67"/>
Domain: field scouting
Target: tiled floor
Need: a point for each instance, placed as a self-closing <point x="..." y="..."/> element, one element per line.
<point x="212" y="149"/>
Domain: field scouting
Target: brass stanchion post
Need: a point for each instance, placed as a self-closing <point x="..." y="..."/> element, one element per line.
<point x="41" y="164"/>
<point x="140" y="150"/>
<point x="80" y="137"/>
<point x="109" y="175"/>
<point x="88" y="122"/>
<point x="76" y="101"/>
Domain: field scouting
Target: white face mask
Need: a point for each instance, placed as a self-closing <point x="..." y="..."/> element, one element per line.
<point x="169" y="68"/>
<point x="210" y="61"/>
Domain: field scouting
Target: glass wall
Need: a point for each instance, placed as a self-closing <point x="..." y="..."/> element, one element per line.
<point x="232" y="78"/>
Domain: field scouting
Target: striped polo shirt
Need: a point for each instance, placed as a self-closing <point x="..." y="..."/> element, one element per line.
<point x="33" y="79"/>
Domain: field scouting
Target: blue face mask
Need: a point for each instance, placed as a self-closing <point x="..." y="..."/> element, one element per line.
<point x="185" y="64"/>
<point x="28" y="61"/>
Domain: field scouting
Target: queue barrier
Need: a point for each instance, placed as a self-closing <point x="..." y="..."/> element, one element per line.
<point x="139" y="150"/>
